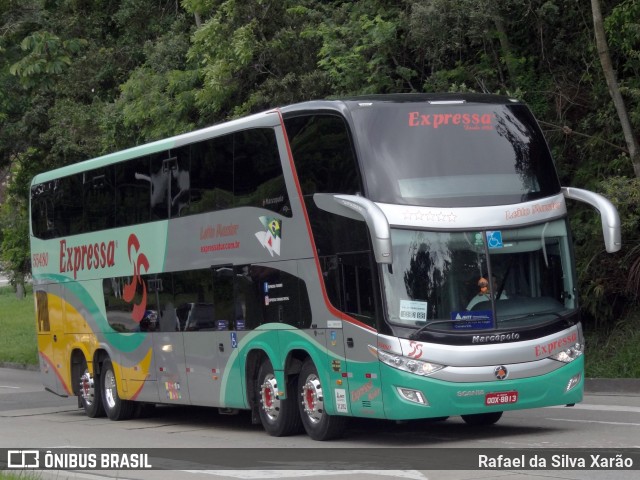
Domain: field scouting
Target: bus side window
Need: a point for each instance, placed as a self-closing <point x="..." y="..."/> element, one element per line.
<point x="248" y="302"/>
<point x="118" y="310"/>
<point x="98" y="199"/>
<point x="68" y="206"/>
<point x="258" y="180"/>
<point x="223" y="298"/>
<point x="269" y="295"/>
<point x="323" y="154"/>
<point x="211" y="175"/>
<point x="170" y="183"/>
<point x="133" y="192"/>
<point x="42" y="221"/>
<point x="349" y="282"/>
<point x="194" y="299"/>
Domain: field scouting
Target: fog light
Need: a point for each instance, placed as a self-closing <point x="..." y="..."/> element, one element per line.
<point x="414" y="396"/>
<point x="573" y="381"/>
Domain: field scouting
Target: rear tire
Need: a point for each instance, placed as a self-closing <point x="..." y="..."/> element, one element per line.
<point x="114" y="406"/>
<point x="279" y="416"/>
<point x="318" y="424"/>
<point x="482" y="419"/>
<point x="89" y="392"/>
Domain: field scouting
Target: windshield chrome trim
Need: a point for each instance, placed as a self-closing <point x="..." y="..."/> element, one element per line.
<point x="499" y="216"/>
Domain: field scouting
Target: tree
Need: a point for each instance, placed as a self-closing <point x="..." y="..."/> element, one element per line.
<point x="614" y="90"/>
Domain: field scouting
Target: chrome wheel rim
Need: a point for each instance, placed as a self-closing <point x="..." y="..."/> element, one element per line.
<point x="87" y="388"/>
<point x="269" y="397"/>
<point x="110" y="391"/>
<point x="312" y="399"/>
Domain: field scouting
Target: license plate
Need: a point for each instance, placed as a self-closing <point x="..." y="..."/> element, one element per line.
<point x="500" y="398"/>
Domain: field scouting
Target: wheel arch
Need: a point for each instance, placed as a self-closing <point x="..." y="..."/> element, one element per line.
<point x="77" y="358"/>
<point x="99" y="356"/>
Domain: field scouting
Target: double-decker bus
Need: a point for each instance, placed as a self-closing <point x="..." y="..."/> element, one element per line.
<point x="391" y="257"/>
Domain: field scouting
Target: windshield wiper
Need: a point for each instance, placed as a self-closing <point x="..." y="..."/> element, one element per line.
<point x="531" y="315"/>
<point x="427" y="325"/>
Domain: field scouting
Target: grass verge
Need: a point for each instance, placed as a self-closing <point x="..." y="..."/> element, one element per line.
<point x="19" y="476"/>
<point x="18" y="328"/>
<point x="614" y="352"/>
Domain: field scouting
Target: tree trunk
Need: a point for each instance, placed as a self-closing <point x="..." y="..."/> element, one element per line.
<point x="20" y="291"/>
<point x="505" y="46"/>
<point x="614" y="90"/>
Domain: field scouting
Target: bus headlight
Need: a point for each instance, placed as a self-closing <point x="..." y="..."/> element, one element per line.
<point x="569" y="354"/>
<point x="407" y="364"/>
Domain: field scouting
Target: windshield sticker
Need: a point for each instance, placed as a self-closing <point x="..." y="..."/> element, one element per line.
<point x="472" y="320"/>
<point x="494" y="239"/>
<point x="468" y="121"/>
<point x="412" y="310"/>
<point x="477" y="239"/>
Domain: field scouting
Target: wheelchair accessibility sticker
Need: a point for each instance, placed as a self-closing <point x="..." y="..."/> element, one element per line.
<point x="494" y="239"/>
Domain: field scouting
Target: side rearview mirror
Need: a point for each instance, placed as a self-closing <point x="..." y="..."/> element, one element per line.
<point x="363" y="209"/>
<point x="608" y="214"/>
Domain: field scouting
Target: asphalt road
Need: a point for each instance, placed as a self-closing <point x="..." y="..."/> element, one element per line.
<point x="33" y="418"/>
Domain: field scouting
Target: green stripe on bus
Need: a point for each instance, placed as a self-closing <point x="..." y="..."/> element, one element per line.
<point x="125" y="342"/>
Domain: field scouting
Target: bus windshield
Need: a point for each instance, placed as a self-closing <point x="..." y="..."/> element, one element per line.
<point x="478" y="280"/>
<point x="454" y="155"/>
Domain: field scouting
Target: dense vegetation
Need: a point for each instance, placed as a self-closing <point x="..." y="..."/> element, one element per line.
<point x="81" y="78"/>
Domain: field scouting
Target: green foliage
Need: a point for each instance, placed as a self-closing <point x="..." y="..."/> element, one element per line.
<point x="18" y="340"/>
<point x="79" y="79"/>
<point x="46" y="55"/>
<point x="613" y="350"/>
<point x="623" y="34"/>
<point x="610" y="283"/>
<point x="359" y="47"/>
<point x="14" y="248"/>
<point x="251" y="57"/>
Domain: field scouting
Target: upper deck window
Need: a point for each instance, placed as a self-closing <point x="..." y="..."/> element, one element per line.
<point x="455" y="155"/>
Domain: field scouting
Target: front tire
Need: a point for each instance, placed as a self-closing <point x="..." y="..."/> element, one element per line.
<point x="89" y="392"/>
<point x="279" y="416"/>
<point x="318" y="424"/>
<point x="114" y="406"/>
<point x="482" y="419"/>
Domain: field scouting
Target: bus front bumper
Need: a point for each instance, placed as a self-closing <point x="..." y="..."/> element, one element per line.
<point x="413" y="397"/>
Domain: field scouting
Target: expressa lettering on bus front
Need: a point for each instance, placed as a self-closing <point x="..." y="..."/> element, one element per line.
<point x="470" y="121"/>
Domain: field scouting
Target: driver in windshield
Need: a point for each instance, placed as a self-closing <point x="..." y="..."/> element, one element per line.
<point x="484" y="292"/>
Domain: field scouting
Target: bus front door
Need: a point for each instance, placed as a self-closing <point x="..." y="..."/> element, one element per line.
<point x="49" y="318"/>
<point x="358" y="331"/>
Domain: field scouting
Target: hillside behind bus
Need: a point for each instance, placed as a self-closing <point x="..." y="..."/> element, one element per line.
<point x="82" y="79"/>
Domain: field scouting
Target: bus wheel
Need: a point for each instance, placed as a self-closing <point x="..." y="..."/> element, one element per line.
<point x="115" y="408"/>
<point x="89" y="392"/>
<point x="482" y="419"/>
<point x="316" y="421"/>
<point x="279" y="416"/>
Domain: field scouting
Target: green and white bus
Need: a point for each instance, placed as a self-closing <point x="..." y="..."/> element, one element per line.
<point x="393" y="257"/>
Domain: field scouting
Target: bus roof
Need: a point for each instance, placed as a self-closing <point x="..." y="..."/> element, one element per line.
<point x="345" y="103"/>
<point x="265" y="119"/>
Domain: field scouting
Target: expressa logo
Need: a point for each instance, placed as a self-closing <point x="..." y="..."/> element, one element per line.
<point x="86" y="257"/>
<point x="469" y="121"/>
<point x="139" y="262"/>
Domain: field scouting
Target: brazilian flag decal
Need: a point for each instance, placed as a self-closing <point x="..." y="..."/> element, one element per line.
<point x="270" y="237"/>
